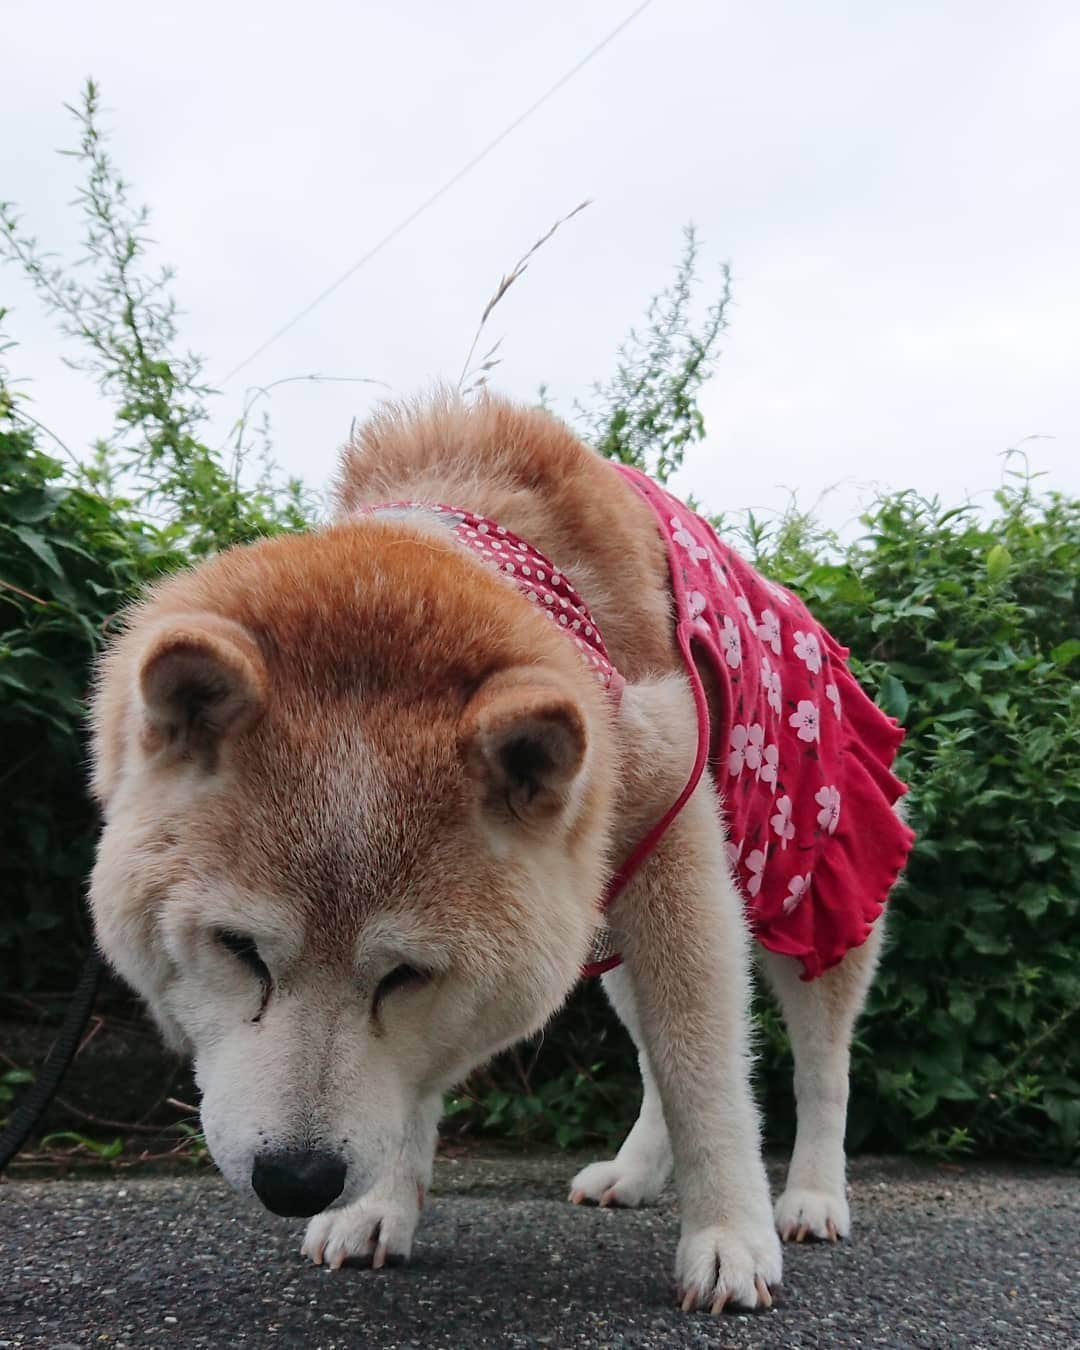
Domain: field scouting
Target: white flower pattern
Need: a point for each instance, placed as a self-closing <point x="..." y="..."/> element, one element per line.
<point x="770" y="765"/>
<point x="770" y="680"/>
<point x="746" y="743"/>
<point x="833" y="695"/>
<point x="755" y="865"/>
<point x="797" y="888"/>
<point x="731" y="643"/>
<point x="782" y="822"/>
<point x="808" y="649"/>
<point x="828" y="798"/>
<point x="686" y="540"/>
<point x="805" y="721"/>
<point x="768" y="630"/>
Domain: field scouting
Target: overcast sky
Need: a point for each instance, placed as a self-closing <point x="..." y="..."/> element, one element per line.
<point x="895" y="185"/>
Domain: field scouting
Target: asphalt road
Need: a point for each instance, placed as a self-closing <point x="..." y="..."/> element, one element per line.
<point x="974" y="1258"/>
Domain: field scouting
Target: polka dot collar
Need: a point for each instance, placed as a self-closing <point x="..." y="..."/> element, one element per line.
<point x="530" y="572"/>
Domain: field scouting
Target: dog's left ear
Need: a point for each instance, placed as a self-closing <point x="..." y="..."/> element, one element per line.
<point x="524" y="741"/>
<point x="202" y="681"/>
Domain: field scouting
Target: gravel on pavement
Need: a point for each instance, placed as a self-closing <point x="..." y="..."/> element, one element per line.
<point x="970" y="1257"/>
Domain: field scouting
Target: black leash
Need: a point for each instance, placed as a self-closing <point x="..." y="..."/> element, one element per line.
<point x="40" y="1093"/>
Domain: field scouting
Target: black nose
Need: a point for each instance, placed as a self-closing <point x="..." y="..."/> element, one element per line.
<point x="298" y="1182"/>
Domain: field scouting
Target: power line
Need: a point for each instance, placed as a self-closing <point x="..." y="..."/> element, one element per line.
<point x="444" y="188"/>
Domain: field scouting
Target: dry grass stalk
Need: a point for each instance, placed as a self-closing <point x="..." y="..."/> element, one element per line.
<point x="488" y="362"/>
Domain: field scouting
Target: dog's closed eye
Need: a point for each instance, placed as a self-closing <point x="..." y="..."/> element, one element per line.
<point x="401" y="977"/>
<point x="245" y="951"/>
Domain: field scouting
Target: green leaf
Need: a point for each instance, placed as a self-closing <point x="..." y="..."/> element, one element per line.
<point x="998" y="564"/>
<point x="998" y="704"/>
<point x="987" y="944"/>
<point x="893" y="698"/>
<point x="31" y="506"/>
<point x="1065" y="652"/>
<point x="39" y="546"/>
<point x="1034" y="901"/>
<point x="1065" y="1113"/>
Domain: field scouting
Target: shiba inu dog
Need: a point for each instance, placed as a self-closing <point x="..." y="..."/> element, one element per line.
<point x="376" y="795"/>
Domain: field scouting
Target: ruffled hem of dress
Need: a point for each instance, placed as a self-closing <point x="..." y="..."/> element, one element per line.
<point x="858" y="866"/>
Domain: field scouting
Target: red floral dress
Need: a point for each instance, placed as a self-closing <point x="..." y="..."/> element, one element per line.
<point x="801" y="756"/>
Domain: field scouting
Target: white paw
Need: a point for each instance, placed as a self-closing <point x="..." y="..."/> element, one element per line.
<point x="804" y="1213"/>
<point x="617" y="1183"/>
<point x="378" y="1226"/>
<point x="728" y="1266"/>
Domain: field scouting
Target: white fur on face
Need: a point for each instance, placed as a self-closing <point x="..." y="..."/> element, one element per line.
<point x="298" y="842"/>
<point x="314" y="1068"/>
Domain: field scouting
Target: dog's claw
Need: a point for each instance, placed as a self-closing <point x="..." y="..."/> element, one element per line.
<point x="577" y="1197"/>
<point x="338" y="1260"/>
<point x="608" y="1198"/>
<point x="689" y="1299"/>
<point x="812" y="1214"/>
<point x="379" y="1259"/>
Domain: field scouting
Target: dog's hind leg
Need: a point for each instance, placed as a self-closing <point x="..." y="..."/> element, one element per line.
<point x="820" y="1016"/>
<point x="641" y="1168"/>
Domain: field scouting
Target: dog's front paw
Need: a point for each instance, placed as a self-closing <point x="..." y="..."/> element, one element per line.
<point x="806" y="1213"/>
<point x="617" y="1183"/>
<point x="376" y="1228"/>
<point x="728" y="1266"/>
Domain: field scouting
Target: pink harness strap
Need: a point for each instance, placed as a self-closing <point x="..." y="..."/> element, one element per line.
<point x="638" y="855"/>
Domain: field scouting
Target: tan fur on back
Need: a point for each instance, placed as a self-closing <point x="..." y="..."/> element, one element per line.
<point x="525" y="469"/>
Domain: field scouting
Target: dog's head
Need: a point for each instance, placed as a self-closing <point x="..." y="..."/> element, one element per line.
<point x="357" y="802"/>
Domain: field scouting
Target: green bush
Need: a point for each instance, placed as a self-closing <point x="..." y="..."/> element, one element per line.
<point x="69" y="559"/>
<point x="964" y="624"/>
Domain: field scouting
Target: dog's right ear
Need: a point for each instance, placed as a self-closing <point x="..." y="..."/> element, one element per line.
<point x="524" y="741"/>
<point x="201" y="679"/>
